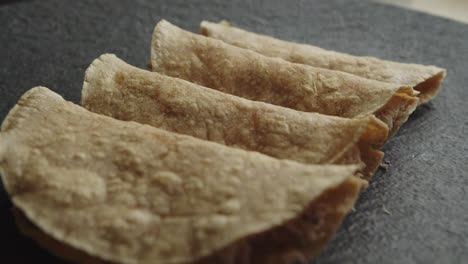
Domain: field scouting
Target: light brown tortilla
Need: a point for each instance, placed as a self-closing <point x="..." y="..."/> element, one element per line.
<point x="132" y="193"/>
<point x="116" y="89"/>
<point x="215" y="64"/>
<point x="425" y="79"/>
<point x="283" y="244"/>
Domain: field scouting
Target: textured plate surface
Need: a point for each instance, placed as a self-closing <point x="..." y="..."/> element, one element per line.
<point x="425" y="191"/>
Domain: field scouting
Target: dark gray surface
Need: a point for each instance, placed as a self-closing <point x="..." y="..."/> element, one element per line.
<point x="51" y="43"/>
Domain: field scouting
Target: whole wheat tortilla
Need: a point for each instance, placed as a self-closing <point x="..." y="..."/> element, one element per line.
<point x="215" y="64"/>
<point x="132" y="193"/>
<point x="116" y="89"/>
<point x="425" y="79"/>
<point x="281" y="245"/>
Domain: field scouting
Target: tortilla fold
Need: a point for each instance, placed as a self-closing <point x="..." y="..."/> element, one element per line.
<point x="217" y="65"/>
<point x="425" y="79"/>
<point x="132" y="193"/>
<point x="281" y="245"/>
<point x="116" y="89"/>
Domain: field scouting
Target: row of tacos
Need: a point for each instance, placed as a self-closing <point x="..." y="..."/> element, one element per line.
<point x="234" y="148"/>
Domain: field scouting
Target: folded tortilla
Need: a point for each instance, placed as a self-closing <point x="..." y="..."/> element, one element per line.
<point x="116" y="89"/>
<point x="425" y="79"/>
<point x="132" y="193"/>
<point x="215" y="64"/>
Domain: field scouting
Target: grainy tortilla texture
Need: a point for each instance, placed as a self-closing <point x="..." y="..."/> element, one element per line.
<point x="425" y="79"/>
<point x="132" y="193"/>
<point x="118" y="90"/>
<point x="215" y="64"/>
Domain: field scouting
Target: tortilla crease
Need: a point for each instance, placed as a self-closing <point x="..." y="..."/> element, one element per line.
<point x="118" y="90"/>
<point x="213" y="63"/>
<point x="425" y="79"/>
<point x="132" y="193"/>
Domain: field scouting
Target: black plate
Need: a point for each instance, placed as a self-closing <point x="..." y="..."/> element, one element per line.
<point x="51" y="43"/>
